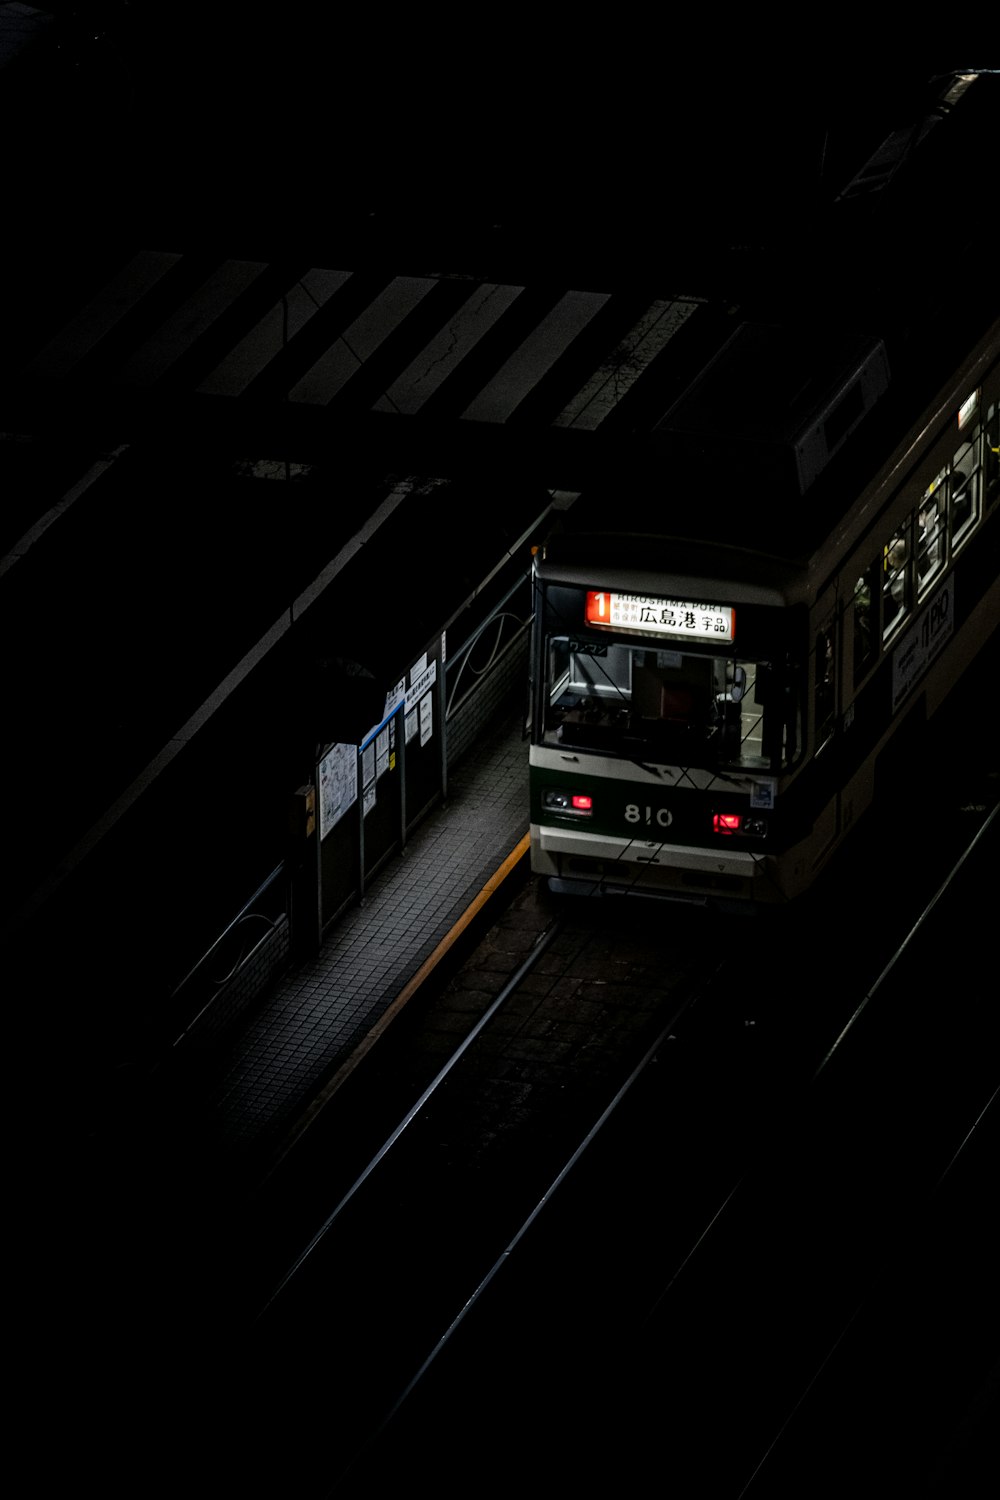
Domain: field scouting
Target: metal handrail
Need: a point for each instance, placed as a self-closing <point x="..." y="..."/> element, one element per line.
<point x="495" y="655"/>
<point x="245" y="915"/>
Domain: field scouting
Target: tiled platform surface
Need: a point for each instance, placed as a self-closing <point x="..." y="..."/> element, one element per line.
<point x="321" y="1012"/>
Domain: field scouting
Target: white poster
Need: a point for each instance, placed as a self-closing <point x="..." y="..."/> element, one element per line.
<point x="419" y="685"/>
<point x="426" y="717"/>
<point x="338" y="785"/>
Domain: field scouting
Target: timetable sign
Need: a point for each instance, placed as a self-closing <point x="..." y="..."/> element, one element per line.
<point x="682" y="619"/>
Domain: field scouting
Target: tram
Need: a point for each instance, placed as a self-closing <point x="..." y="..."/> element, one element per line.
<point x="735" y="643"/>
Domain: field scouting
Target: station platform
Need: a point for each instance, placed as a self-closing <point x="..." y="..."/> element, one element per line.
<point x="274" y="1066"/>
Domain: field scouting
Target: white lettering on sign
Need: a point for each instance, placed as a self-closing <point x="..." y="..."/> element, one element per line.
<point x="426" y="718"/>
<point x="662" y="817"/>
<point x="648" y="614"/>
<point x="917" y="649"/>
<point x="419" y="686"/>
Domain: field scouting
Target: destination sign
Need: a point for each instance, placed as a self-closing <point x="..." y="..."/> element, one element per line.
<point x="646" y="614"/>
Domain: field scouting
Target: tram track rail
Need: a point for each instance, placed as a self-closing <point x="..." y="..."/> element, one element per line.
<point x="514" y="1066"/>
<point x="451" y="1204"/>
<point x="421" y="1217"/>
<point x="406" y="1288"/>
<point x="403" y="1280"/>
<point x="786" y="1331"/>
<point x="956" y="1427"/>
<point x="412" y="1114"/>
<point x="936" y="1122"/>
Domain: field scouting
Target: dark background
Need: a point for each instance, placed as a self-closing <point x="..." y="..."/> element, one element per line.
<point x="628" y="140"/>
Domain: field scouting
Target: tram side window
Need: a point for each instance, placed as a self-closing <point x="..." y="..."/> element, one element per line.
<point x="932" y="531"/>
<point x="825" y="692"/>
<point x="966" y="487"/>
<point x="864" y="633"/>
<point x="896" y="593"/>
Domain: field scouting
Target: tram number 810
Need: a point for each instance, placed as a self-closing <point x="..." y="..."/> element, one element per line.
<point x="661" y="816"/>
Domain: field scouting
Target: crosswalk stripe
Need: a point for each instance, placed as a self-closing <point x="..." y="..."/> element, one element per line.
<point x="445" y="352"/>
<point x="617" y="374"/>
<point x="537" y="354"/>
<point x="255" y="352"/>
<point x="345" y="356"/>
<point x="77" y="338"/>
<point x="498" y="353"/>
<point x="189" y="321"/>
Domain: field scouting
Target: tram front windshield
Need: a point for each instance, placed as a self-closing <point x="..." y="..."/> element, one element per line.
<point x="654" y="702"/>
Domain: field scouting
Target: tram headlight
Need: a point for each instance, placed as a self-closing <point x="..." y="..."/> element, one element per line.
<point x="579" y="804"/>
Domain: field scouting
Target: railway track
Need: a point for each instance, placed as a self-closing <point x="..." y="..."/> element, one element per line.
<point x="501" y="1240"/>
<point x="726" y="1291"/>
<point x="650" y="1217"/>
<point x="555" y="1183"/>
<point x="378" y="1228"/>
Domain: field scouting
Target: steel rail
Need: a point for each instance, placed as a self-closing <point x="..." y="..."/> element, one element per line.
<point x="504" y="1258"/>
<point x="860" y="1305"/>
<point x="512" y="984"/>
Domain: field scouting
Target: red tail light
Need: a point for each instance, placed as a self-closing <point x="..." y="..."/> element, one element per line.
<point x="556" y="800"/>
<point x="727" y="822"/>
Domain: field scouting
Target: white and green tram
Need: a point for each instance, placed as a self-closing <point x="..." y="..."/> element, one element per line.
<point x="731" y="646"/>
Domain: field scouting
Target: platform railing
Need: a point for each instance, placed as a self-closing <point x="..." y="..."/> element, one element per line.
<point x="238" y="964"/>
<point x="487" y="669"/>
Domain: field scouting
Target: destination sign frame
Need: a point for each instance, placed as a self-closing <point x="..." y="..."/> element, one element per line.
<point x="648" y="614"/>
